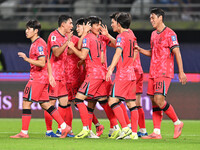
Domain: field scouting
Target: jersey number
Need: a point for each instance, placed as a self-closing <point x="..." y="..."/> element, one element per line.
<point x="131" y="48"/>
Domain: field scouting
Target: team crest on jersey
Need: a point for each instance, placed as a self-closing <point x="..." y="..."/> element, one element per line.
<point x="53" y="38"/>
<point x="84" y="42"/>
<point x="40" y="49"/>
<point x="119" y="41"/>
<point x="174" y="39"/>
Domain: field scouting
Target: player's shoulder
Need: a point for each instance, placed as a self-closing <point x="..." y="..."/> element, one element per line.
<point x="74" y="37"/>
<point x="170" y="31"/>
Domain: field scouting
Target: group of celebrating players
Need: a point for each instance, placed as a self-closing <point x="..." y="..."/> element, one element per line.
<point x="74" y="69"/>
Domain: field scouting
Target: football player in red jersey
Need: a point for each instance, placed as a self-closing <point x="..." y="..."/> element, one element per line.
<point x="94" y="84"/>
<point x="124" y="85"/>
<point x="164" y="45"/>
<point x="57" y="45"/>
<point x="36" y="89"/>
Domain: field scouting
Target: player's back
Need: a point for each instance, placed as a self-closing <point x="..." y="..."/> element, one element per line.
<point x="94" y="66"/>
<point x="125" y="66"/>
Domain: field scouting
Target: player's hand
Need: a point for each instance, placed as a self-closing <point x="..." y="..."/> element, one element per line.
<point x="22" y="55"/>
<point x="108" y="75"/>
<point x="137" y="48"/>
<point x="80" y="62"/>
<point x="52" y="81"/>
<point x="70" y="44"/>
<point x="104" y="30"/>
<point x="70" y="36"/>
<point x="86" y="27"/>
<point x="182" y="78"/>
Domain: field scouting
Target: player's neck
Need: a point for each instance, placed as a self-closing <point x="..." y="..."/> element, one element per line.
<point x="122" y="30"/>
<point x="34" y="38"/>
<point x="61" y="31"/>
<point x="161" y="27"/>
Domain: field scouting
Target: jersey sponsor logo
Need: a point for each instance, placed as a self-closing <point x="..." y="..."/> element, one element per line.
<point x="84" y="42"/>
<point x="174" y="39"/>
<point x="119" y="41"/>
<point x="40" y="49"/>
<point x="53" y="38"/>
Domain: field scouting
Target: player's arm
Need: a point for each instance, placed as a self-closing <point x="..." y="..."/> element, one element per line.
<point x="135" y="54"/>
<point x="114" y="63"/>
<point x="40" y="62"/>
<point x="57" y="51"/>
<point x="102" y="57"/>
<point x="104" y="31"/>
<point x="182" y="76"/>
<point x="51" y="78"/>
<point x="81" y="54"/>
<point x="143" y="51"/>
<point x="86" y="29"/>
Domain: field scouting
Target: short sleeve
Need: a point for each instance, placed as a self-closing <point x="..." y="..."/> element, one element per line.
<point x="54" y="42"/>
<point x="120" y="42"/>
<point x="172" y="40"/>
<point x="40" y="51"/>
<point x="86" y="43"/>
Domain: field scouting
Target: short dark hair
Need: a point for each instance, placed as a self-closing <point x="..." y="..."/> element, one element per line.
<point x="158" y="12"/>
<point x="35" y="24"/>
<point x="63" y="18"/>
<point x="124" y="19"/>
<point x="93" y="20"/>
<point x="80" y="21"/>
<point x="114" y="15"/>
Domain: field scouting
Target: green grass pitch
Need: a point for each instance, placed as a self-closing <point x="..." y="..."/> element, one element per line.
<point x="190" y="138"/>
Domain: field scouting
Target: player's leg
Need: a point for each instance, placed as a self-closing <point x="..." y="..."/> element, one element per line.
<point x="130" y="102"/>
<point x="125" y="114"/>
<point x="49" y="121"/>
<point x="90" y="107"/>
<point x="141" y="117"/>
<point x="134" y="119"/>
<point x="157" y="113"/>
<point x="57" y="117"/>
<point x="26" y="118"/>
<point x="79" y="101"/>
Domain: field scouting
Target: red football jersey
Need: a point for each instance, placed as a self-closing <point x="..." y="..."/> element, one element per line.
<point x="38" y="49"/>
<point x="56" y="39"/>
<point x="137" y="62"/>
<point x="94" y="67"/>
<point x="162" y="58"/>
<point x="72" y="72"/>
<point x="125" y="67"/>
<point x="104" y="41"/>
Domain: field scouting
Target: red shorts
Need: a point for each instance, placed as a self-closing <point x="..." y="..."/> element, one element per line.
<point x="158" y="86"/>
<point x="36" y="92"/>
<point x="124" y="89"/>
<point x="58" y="91"/>
<point x="93" y="88"/>
<point x="72" y="89"/>
<point x="139" y="83"/>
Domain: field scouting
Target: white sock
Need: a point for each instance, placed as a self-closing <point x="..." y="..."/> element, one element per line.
<point x="24" y="131"/>
<point x="85" y="127"/>
<point x="98" y="124"/>
<point x="49" y="131"/>
<point x="156" y="131"/>
<point x="125" y="127"/>
<point x="143" y="130"/>
<point x="177" y="122"/>
<point x="129" y="125"/>
<point x="63" y="125"/>
<point x="134" y="133"/>
<point x="116" y="127"/>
